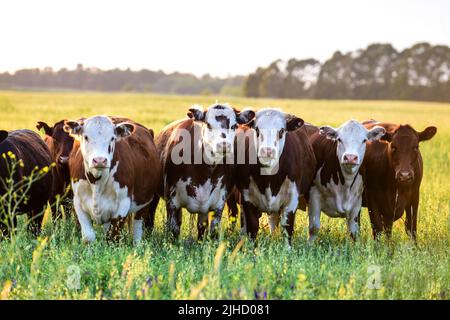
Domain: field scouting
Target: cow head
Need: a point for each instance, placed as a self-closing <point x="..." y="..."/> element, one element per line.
<point x="351" y="138"/>
<point x="218" y="127"/>
<point x="3" y="135"/>
<point x="97" y="137"/>
<point x="271" y="126"/>
<point x="59" y="141"/>
<point x="404" y="149"/>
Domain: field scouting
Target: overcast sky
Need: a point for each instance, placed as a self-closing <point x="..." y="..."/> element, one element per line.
<point x="207" y="36"/>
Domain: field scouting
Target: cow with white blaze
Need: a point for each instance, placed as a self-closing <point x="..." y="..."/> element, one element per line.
<point x="339" y="177"/>
<point x="115" y="171"/>
<point x="282" y="173"/>
<point x="195" y="158"/>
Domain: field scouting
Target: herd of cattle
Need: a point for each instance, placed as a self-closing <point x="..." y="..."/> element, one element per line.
<point x="117" y="170"/>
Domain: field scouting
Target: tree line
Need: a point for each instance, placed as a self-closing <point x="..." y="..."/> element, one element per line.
<point x="95" y="79"/>
<point x="421" y="72"/>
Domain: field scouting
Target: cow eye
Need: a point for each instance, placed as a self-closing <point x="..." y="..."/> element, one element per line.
<point x="364" y="141"/>
<point x="112" y="139"/>
<point x="280" y="133"/>
<point x="339" y="140"/>
<point x="86" y="138"/>
<point x="208" y="126"/>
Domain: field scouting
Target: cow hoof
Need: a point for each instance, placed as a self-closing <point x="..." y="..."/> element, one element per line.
<point x="88" y="238"/>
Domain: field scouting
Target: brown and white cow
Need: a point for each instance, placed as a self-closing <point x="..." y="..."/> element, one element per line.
<point x="339" y="175"/>
<point x="115" y="172"/>
<point x="278" y="169"/>
<point x="394" y="169"/>
<point x="197" y="163"/>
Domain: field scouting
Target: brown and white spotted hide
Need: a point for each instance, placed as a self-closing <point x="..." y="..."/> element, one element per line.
<point x="200" y="182"/>
<point x="115" y="172"/>
<point x="282" y="174"/>
<point x="338" y="184"/>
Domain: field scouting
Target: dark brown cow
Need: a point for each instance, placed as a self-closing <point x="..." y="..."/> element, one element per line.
<point x="115" y="172"/>
<point x="394" y="170"/>
<point x="195" y="156"/>
<point x="27" y="146"/>
<point x="60" y="144"/>
<point x="282" y="174"/>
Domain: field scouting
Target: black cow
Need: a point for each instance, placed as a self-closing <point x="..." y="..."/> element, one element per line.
<point x="28" y="149"/>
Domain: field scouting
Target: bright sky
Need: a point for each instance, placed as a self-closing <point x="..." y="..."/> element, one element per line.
<point x="207" y="36"/>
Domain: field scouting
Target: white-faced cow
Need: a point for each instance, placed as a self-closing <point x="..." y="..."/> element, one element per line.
<point x="115" y="172"/>
<point x="197" y="173"/>
<point x="282" y="173"/>
<point x="338" y="184"/>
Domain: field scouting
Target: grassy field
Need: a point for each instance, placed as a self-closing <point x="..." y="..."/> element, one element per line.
<point x="228" y="268"/>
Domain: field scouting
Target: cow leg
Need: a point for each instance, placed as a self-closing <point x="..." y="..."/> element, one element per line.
<point x="411" y="216"/>
<point x="232" y="209"/>
<point x="375" y="218"/>
<point x="173" y="219"/>
<point x="243" y="221"/>
<point x="202" y="222"/>
<point x="314" y="214"/>
<point x="215" y="223"/>
<point x="287" y="221"/>
<point x="87" y="232"/>
<point x="35" y="222"/>
<point x="388" y="221"/>
<point x="115" y="228"/>
<point x="274" y="219"/>
<point x="149" y="219"/>
<point x="252" y="216"/>
<point x="138" y="223"/>
<point x="353" y="222"/>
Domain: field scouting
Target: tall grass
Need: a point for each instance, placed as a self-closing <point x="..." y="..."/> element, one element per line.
<point x="58" y="265"/>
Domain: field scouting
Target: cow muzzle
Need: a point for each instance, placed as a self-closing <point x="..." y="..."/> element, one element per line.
<point x="404" y="176"/>
<point x="267" y="155"/>
<point x="63" y="160"/>
<point x="99" y="163"/>
<point x="350" y="160"/>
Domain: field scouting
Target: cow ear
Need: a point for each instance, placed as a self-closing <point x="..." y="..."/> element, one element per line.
<point x="47" y="130"/>
<point x="427" y="134"/>
<point x="376" y="133"/>
<point x="73" y="127"/>
<point x="124" y="129"/>
<point x="244" y="116"/>
<point x="329" y="132"/>
<point x="196" y="113"/>
<point x="3" y="135"/>
<point x="293" y="122"/>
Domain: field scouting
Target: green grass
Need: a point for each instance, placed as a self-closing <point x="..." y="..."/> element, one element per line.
<point x="333" y="268"/>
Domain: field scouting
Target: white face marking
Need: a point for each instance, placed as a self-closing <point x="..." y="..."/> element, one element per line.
<point x="351" y="140"/>
<point x="208" y="197"/>
<point x="219" y="130"/>
<point x="97" y="137"/>
<point x="286" y="199"/>
<point x="270" y="128"/>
